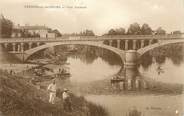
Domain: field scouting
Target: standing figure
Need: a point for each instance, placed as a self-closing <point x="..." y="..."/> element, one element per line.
<point x="66" y="100"/>
<point x="52" y="91"/>
<point x="11" y="72"/>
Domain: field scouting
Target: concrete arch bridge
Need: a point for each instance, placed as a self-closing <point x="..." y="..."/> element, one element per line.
<point x="128" y="48"/>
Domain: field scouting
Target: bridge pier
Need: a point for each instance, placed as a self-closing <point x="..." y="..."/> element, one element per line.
<point x="142" y="43"/>
<point x="38" y="44"/>
<point x="126" y="44"/>
<point x="110" y="42"/>
<point x="18" y="48"/>
<point x="6" y="45"/>
<point x="21" y="47"/>
<point x="30" y="45"/>
<point x="131" y="70"/>
<point x="134" y="44"/>
<point x="150" y="42"/>
<point x="14" y="47"/>
<point x="118" y="44"/>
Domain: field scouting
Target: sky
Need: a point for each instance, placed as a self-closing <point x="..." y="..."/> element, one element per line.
<point x="97" y="15"/>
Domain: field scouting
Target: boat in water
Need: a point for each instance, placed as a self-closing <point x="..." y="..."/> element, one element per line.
<point x="63" y="73"/>
<point x="48" y="72"/>
<point x="58" y="71"/>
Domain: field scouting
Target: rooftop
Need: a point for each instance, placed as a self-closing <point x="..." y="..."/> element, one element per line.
<point x="35" y="27"/>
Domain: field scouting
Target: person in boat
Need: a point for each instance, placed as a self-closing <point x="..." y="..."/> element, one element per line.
<point x="52" y="92"/>
<point x="66" y="100"/>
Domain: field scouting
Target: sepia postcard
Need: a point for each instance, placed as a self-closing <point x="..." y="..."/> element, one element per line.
<point x="91" y="57"/>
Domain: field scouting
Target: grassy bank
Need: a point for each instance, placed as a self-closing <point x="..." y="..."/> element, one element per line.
<point x="20" y="98"/>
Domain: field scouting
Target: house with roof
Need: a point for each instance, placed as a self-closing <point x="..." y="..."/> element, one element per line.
<point x="33" y="31"/>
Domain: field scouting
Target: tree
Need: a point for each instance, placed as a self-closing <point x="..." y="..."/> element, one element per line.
<point x="176" y="32"/>
<point x="111" y="32"/>
<point x="87" y="33"/>
<point x="58" y="34"/>
<point x="160" y="31"/>
<point x="5" y="27"/>
<point x="146" y="30"/>
<point x="118" y="31"/>
<point x="134" y="29"/>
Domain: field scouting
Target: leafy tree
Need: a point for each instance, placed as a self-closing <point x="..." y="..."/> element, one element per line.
<point x="160" y="31"/>
<point x="146" y="29"/>
<point x="111" y="32"/>
<point x="5" y="27"/>
<point x="118" y="31"/>
<point x="58" y="34"/>
<point x="134" y="29"/>
<point x="87" y="33"/>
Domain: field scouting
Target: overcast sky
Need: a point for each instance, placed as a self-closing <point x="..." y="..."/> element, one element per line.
<point x="99" y="15"/>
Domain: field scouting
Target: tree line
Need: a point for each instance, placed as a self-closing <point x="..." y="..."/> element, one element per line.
<point x="136" y="29"/>
<point x="6" y="28"/>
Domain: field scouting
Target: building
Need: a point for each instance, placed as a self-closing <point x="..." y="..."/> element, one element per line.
<point x="33" y="31"/>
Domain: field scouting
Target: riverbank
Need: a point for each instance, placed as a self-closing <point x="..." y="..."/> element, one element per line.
<point x="20" y="98"/>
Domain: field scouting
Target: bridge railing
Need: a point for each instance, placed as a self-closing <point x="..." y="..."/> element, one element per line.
<point x="169" y="36"/>
<point x="91" y="38"/>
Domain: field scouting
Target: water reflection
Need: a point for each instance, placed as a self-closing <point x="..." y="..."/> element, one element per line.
<point x="98" y="70"/>
<point x="174" y="52"/>
<point x="170" y="73"/>
<point x="88" y="54"/>
<point x="91" y="63"/>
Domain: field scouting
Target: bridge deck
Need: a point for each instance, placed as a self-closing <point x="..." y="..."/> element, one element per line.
<point x="92" y="38"/>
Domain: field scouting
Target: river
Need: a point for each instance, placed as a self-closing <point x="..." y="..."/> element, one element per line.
<point x="120" y="105"/>
<point x="98" y="70"/>
<point x="90" y="67"/>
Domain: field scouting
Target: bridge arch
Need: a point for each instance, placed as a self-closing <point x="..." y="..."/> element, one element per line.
<point x="117" y="51"/>
<point x="155" y="45"/>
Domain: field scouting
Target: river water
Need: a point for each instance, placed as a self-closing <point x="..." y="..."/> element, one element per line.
<point x="90" y="69"/>
<point x="98" y="70"/>
<point x="171" y="73"/>
<point x="120" y="105"/>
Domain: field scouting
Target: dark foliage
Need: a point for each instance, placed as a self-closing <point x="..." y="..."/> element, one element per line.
<point x="5" y="27"/>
